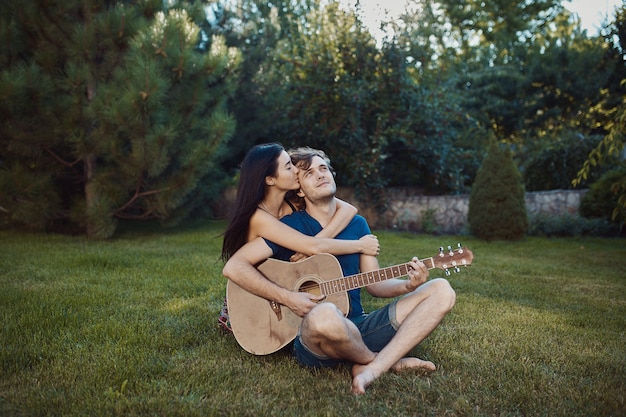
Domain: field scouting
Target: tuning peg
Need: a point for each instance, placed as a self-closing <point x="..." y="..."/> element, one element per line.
<point x="460" y="250"/>
<point x="440" y="250"/>
<point x="450" y="250"/>
<point x="456" y="269"/>
<point x="447" y="272"/>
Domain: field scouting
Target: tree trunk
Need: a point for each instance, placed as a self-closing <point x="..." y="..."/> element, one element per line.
<point x="91" y="196"/>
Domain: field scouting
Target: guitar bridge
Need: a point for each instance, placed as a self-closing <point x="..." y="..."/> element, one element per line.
<point x="277" y="310"/>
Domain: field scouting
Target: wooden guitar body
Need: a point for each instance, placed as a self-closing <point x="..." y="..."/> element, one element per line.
<point x="257" y="326"/>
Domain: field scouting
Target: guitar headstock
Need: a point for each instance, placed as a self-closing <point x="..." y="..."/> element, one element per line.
<point x="452" y="259"/>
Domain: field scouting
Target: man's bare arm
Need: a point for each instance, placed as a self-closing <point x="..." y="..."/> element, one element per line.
<point x="241" y="270"/>
<point x="418" y="274"/>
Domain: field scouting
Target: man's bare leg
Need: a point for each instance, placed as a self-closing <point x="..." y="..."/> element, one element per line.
<point x="419" y="313"/>
<point x="327" y="332"/>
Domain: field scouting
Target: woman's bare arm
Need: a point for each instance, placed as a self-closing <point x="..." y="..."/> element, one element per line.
<point x="272" y="229"/>
<point x="342" y="218"/>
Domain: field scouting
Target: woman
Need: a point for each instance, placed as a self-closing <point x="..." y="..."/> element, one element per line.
<point x="267" y="176"/>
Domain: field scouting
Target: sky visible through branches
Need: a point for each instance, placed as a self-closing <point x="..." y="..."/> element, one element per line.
<point x="591" y="12"/>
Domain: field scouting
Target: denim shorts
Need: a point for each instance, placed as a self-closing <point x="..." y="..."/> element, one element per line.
<point x="377" y="329"/>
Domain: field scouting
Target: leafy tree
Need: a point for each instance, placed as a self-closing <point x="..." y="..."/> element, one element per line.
<point x="611" y="113"/>
<point x="489" y="33"/>
<point x="328" y="85"/>
<point x="322" y="87"/>
<point x="497" y="208"/>
<point x="109" y="111"/>
<point x="533" y="72"/>
<point x="255" y="28"/>
<point x="542" y="90"/>
<point x="562" y="158"/>
<point x="441" y="152"/>
<point x="436" y="143"/>
<point x="523" y="70"/>
<point x="419" y="109"/>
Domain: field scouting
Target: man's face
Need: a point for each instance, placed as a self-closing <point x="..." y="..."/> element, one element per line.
<point x="317" y="183"/>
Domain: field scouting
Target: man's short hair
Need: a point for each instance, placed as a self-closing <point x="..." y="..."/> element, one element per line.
<point x="303" y="157"/>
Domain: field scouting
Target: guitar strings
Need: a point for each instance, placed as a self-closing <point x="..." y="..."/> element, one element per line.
<point x="362" y="278"/>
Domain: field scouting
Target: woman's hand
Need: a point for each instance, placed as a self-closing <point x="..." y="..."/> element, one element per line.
<point x="370" y="245"/>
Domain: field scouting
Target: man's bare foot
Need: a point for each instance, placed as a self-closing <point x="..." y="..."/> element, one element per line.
<point x="362" y="377"/>
<point x="413" y="363"/>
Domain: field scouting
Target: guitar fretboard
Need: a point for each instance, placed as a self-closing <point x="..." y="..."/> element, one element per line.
<point x="364" y="279"/>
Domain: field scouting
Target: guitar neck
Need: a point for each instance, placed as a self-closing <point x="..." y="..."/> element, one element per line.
<point x="364" y="279"/>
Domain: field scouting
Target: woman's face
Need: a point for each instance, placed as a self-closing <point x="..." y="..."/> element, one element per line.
<point x="286" y="174"/>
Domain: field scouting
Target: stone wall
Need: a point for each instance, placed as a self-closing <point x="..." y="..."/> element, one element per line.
<point x="410" y="211"/>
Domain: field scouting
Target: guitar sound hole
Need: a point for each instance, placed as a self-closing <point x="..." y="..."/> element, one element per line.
<point x="311" y="287"/>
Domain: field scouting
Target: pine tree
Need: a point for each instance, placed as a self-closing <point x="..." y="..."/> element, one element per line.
<point x="497" y="209"/>
<point x="110" y="110"/>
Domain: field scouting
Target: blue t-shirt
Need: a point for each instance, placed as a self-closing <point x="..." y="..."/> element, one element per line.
<point x="358" y="227"/>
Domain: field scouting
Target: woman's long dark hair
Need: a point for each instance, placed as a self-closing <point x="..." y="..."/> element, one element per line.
<point x="260" y="161"/>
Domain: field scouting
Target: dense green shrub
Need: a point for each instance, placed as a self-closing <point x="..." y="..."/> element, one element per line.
<point x="570" y="225"/>
<point x="497" y="209"/>
<point x="600" y="201"/>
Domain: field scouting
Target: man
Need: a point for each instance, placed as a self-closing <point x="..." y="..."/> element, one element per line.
<point x="373" y="343"/>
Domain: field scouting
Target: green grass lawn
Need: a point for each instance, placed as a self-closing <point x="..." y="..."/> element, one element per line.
<point x="128" y="327"/>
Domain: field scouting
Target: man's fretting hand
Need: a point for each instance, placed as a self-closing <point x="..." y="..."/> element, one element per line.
<point x="418" y="274"/>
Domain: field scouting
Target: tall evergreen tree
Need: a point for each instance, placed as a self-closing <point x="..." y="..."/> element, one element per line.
<point x="497" y="209"/>
<point x="109" y="110"/>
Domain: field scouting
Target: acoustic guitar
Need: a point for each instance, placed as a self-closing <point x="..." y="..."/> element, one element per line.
<point x="262" y="327"/>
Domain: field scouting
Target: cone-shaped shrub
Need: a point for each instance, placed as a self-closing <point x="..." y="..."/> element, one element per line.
<point x="497" y="210"/>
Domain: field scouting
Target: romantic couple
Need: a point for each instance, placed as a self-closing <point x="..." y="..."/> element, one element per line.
<point x="286" y="209"/>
